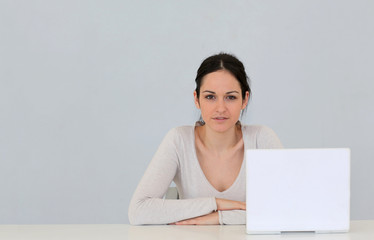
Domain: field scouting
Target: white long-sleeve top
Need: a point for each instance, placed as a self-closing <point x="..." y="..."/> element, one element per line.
<point x="176" y="160"/>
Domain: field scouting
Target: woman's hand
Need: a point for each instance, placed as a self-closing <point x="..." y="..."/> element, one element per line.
<point x="225" y="204"/>
<point x="209" y="219"/>
<point x="213" y="218"/>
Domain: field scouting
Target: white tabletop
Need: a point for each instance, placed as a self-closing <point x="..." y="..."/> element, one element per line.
<point x="360" y="230"/>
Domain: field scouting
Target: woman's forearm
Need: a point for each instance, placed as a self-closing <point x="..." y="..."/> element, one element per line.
<point x="226" y="204"/>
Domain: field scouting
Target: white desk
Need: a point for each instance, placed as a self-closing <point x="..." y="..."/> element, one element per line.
<point x="360" y="230"/>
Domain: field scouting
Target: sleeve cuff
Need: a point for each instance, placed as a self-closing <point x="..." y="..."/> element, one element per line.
<point x="214" y="204"/>
<point x="220" y="218"/>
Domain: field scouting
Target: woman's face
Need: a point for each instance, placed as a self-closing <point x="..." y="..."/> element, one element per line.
<point x="220" y="100"/>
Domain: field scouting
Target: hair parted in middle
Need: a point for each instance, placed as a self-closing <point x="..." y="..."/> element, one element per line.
<point x="223" y="61"/>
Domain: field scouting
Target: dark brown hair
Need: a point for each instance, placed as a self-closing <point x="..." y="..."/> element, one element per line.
<point x="223" y="61"/>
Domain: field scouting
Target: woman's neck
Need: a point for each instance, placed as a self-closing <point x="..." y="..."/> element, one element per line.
<point x="220" y="142"/>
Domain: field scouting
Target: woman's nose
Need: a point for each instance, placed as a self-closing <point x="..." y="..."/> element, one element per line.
<point x="221" y="105"/>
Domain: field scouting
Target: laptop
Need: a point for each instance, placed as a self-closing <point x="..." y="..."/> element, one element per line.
<point x="298" y="190"/>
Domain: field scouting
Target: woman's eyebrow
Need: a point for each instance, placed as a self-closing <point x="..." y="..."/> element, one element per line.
<point x="208" y="91"/>
<point x="232" y="92"/>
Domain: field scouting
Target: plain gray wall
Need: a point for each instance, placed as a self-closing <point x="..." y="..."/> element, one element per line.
<point x="88" y="89"/>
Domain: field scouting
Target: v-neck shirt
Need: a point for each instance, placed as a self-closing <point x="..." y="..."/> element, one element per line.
<point x="176" y="160"/>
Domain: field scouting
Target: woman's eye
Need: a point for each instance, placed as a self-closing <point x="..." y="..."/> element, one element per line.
<point x="231" y="97"/>
<point x="209" y="97"/>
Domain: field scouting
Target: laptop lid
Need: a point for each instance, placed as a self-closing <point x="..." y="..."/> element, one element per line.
<point x="297" y="190"/>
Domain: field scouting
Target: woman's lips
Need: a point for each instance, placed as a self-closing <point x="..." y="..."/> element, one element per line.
<point x="220" y="119"/>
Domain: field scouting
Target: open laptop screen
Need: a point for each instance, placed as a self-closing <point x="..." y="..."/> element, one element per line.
<point x="298" y="190"/>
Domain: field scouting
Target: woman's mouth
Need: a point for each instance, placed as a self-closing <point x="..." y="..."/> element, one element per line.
<point x="220" y="119"/>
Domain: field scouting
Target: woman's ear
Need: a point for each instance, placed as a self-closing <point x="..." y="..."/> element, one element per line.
<point x="245" y="100"/>
<point x="197" y="104"/>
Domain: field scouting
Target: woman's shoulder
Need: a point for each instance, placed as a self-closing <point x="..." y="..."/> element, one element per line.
<point x="181" y="130"/>
<point x="180" y="133"/>
<point x="177" y="138"/>
<point x="255" y="129"/>
<point x="262" y="136"/>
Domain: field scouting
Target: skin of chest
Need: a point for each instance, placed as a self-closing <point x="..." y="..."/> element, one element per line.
<point x="221" y="170"/>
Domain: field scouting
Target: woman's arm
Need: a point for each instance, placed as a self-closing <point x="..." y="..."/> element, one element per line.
<point x="225" y="204"/>
<point x="229" y="212"/>
<point x="147" y="205"/>
<point x="233" y="217"/>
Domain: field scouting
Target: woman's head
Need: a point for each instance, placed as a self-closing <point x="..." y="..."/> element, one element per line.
<point x="223" y="61"/>
<point x="222" y="91"/>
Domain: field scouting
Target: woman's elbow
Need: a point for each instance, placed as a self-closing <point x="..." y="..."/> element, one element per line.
<point x="133" y="215"/>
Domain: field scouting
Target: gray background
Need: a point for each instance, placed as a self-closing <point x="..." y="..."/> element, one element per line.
<point x="89" y="88"/>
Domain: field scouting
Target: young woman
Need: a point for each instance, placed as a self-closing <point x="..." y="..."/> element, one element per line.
<point x="206" y="161"/>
